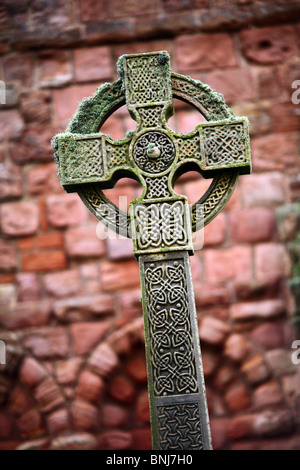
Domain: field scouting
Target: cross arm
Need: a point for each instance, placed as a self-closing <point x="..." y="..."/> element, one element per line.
<point x="214" y="146"/>
<point x="91" y="158"/>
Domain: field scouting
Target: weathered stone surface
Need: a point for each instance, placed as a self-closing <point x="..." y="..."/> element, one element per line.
<point x="67" y="370"/>
<point x="24" y="315"/>
<point x="122" y="389"/>
<point x="63" y="283"/>
<point x="81" y="308"/>
<point x="268" y="45"/>
<point x="90" y="387"/>
<point x="84" y="415"/>
<point x="8" y="259"/>
<point x="75" y="441"/>
<point x="252" y="225"/>
<point x="113" y="416"/>
<point x="31" y="372"/>
<point x="115" y="440"/>
<point x="84" y="243"/>
<point x="49" y="395"/>
<point x="19" y="218"/>
<point x="255" y="369"/>
<point x="58" y="421"/>
<point x="44" y="261"/>
<point x="85" y="335"/>
<point x="65" y="210"/>
<point x="31" y="424"/>
<point x="103" y="360"/>
<point x="47" y="342"/>
<point x="237" y="347"/>
<point x="92" y="64"/>
<point x="267" y="394"/>
<point x="264" y="309"/>
<point x="213" y="330"/>
<point x="202" y="52"/>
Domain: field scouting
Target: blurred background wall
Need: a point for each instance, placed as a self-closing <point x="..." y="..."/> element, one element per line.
<point x="70" y="312"/>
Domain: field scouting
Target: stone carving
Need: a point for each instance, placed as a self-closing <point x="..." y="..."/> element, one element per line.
<point x="160" y="221"/>
<point x="180" y="427"/>
<point x="172" y="354"/>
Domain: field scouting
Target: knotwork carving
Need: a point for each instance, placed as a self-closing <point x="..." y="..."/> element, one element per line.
<point x="172" y="355"/>
<point x="153" y="152"/>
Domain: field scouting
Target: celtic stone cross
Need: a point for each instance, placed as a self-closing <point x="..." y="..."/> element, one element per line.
<point x="160" y="221"/>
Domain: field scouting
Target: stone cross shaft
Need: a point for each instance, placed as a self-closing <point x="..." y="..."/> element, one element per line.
<point x="160" y="221"/>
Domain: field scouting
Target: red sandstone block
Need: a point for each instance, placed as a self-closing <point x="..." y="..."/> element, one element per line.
<point x="214" y="232"/>
<point x="44" y="261"/>
<point x="35" y="106"/>
<point x="213" y="330"/>
<point x="6" y="426"/>
<point x="209" y="294"/>
<point x="122" y="389"/>
<point x="120" y="9"/>
<point x="269" y="84"/>
<point x="252" y="225"/>
<point x="66" y="101"/>
<point x="230" y="263"/>
<point x="26" y="243"/>
<point x="119" y="248"/>
<point x="141" y="439"/>
<point x="103" y="360"/>
<point x="205" y="51"/>
<point x="90" y="387"/>
<point x="115" y="440"/>
<point x="118" y="276"/>
<point x="19" y="401"/>
<point x="49" y="395"/>
<point x="75" y="441"/>
<point x="8" y="258"/>
<point x="236" y="84"/>
<point x="237" y="347"/>
<point x="67" y="370"/>
<point x="255" y="369"/>
<point x="50" y="240"/>
<point x="29" y="288"/>
<point x="285" y="117"/>
<point x="19" y="67"/>
<point x="92" y="10"/>
<point x="30" y="424"/>
<point x="267" y="394"/>
<point x="58" y="421"/>
<point x="48" y="342"/>
<point x="113" y="416"/>
<point x="186" y="121"/>
<point x="274" y="152"/>
<point x="142" y="408"/>
<point x="64" y="210"/>
<point x="269" y="335"/>
<point x="11" y="124"/>
<point x="268" y="45"/>
<point x="25" y="315"/>
<point x="33" y="145"/>
<point x="54" y="68"/>
<point x="10" y="181"/>
<point x="85" y="335"/>
<point x="31" y="372"/>
<point x="136" y="369"/>
<point x="63" y="283"/>
<point x="219" y="432"/>
<point x="84" y="415"/>
<point x="19" y="218"/>
<point x="83" y="308"/>
<point x="263" y="189"/>
<point x="237" y="398"/>
<point x="271" y="261"/>
<point x="43" y="180"/>
<point x="264" y="309"/>
<point x="223" y="377"/>
<point x="83" y="242"/>
<point x="92" y="63"/>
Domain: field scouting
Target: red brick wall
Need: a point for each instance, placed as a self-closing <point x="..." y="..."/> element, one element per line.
<point x="70" y="312"/>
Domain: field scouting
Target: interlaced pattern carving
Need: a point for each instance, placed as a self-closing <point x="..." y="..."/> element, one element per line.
<point x="160" y="225"/>
<point x="116" y="155"/>
<point x="189" y="147"/>
<point x="150" y="116"/>
<point x="157" y="187"/>
<point x="224" y="145"/>
<point x="180" y="427"/>
<point x="147" y="83"/>
<point x="83" y="159"/>
<point x="172" y="354"/>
